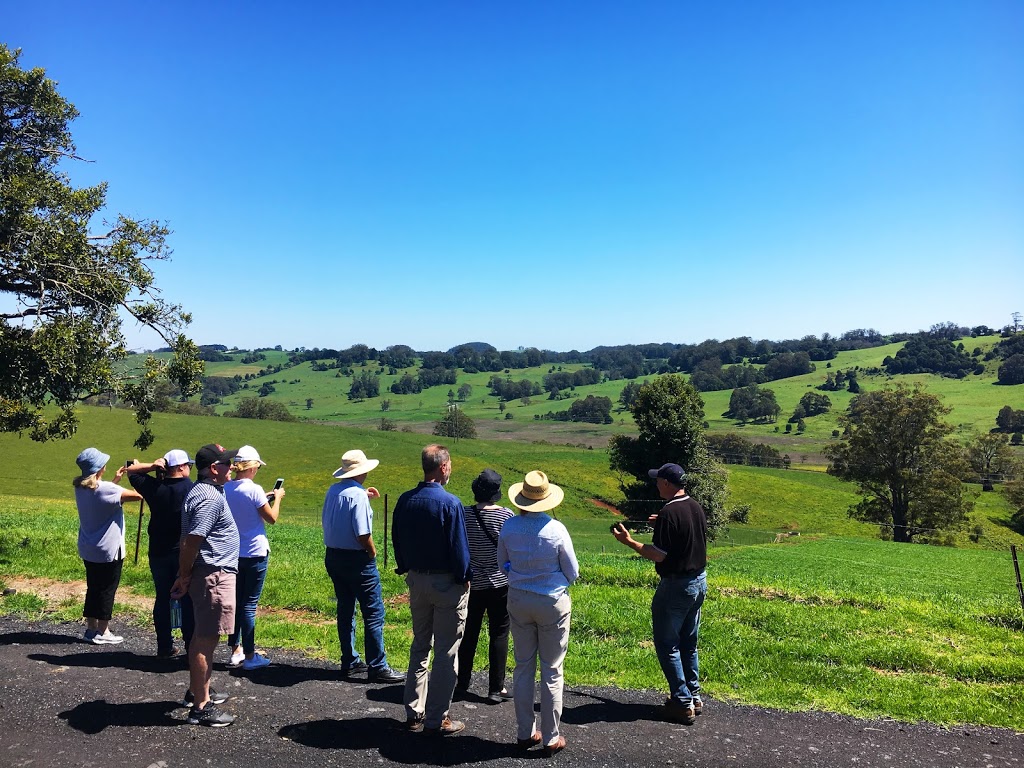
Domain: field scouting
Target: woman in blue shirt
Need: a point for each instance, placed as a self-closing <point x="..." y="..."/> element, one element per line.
<point x="541" y="564"/>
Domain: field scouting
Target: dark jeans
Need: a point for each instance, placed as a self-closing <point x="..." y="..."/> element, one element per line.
<point x="493" y="602"/>
<point x="101" y="582"/>
<point x="252" y="572"/>
<point x="355" y="577"/>
<point x="675" y="616"/>
<point x="165" y="570"/>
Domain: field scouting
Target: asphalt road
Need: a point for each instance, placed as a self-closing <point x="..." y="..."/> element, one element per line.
<point x="66" y="703"/>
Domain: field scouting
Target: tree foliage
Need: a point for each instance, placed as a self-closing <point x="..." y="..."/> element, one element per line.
<point x="669" y="414"/>
<point x="896" y="449"/>
<point x="455" y="424"/>
<point x="259" y="408"/>
<point x="70" y="285"/>
<point x="752" y="403"/>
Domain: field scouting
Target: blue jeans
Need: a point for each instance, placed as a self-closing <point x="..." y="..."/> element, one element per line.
<point x="252" y="572"/>
<point x="675" y="617"/>
<point x="355" y="577"/>
<point x="165" y="570"/>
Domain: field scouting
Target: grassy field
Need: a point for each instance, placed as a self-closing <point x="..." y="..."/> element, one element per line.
<point x="831" y="619"/>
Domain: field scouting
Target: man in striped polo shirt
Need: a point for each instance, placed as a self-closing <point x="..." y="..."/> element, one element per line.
<point x="206" y="571"/>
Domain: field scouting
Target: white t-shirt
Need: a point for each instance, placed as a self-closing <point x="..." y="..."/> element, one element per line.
<point x="245" y="499"/>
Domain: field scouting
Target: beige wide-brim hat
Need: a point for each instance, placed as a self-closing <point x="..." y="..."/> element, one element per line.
<point x="535" y="494"/>
<point x="353" y="464"/>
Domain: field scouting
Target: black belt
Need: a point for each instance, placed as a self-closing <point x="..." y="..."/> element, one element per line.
<point x="431" y="573"/>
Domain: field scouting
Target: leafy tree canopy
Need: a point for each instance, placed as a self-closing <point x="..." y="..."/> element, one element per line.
<point x="70" y="285"/>
<point x="896" y="449"/>
<point x="669" y="414"/>
<point x="455" y="424"/>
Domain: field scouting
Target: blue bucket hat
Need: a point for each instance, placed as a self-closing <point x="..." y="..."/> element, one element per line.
<point x="91" y="461"/>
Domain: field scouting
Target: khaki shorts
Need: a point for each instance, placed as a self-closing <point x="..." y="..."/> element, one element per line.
<point x="213" y="600"/>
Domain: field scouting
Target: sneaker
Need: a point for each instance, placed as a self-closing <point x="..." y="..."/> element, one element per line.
<point x="107" y="638"/>
<point x="414" y="724"/>
<point x="447" y="728"/>
<point x="355" y="668"/>
<point x="258" y="661"/>
<point x="89" y="635"/>
<point x="555" y="747"/>
<point x="216" y="698"/>
<point x="237" y="658"/>
<point x="210" y="716"/>
<point x="698" y="706"/>
<point x="385" y="675"/>
<point x="679" y="713"/>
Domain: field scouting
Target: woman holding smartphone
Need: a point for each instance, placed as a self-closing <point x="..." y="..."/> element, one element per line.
<point x="251" y="508"/>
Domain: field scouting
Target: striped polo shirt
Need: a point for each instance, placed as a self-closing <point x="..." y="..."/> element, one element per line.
<point x="487" y="572"/>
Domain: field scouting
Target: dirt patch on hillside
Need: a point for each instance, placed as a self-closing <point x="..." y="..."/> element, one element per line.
<point x="57" y="593"/>
<point x="604" y="505"/>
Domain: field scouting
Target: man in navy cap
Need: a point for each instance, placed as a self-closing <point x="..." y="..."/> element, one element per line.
<point x="679" y="552"/>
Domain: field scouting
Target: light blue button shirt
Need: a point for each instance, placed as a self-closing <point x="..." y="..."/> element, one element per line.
<point x="347" y="515"/>
<point x="539" y="554"/>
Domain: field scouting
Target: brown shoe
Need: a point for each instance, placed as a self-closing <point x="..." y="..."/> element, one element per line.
<point x="447" y="728"/>
<point x="414" y="724"/>
<point x="552" y="749"/>
<point x="675" y="712"/>
<point x="529" y="743"/>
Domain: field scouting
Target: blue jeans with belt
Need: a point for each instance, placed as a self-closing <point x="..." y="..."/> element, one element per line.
<point x="252" y="572"/>
<point x="356" y="578"/>
<point x="675" y="617"/>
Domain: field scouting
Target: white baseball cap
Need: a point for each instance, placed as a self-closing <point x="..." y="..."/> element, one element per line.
<point x="176" y="458"/>
<point x="248" y="453"/>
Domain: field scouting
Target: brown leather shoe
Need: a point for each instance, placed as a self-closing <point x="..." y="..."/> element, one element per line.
<point x="529" y="743"/>
<point x="552" y="749"/>
<point x="447" y="728"/>
<point x="414" y="724"/>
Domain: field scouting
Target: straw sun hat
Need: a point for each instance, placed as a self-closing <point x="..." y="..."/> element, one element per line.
<point x="535" y="494"/>
<point x="353" y="464"/>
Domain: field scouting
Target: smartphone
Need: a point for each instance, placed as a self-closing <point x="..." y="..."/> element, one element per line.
<point x="129" y="462"/>
<point x="277" y="486"/>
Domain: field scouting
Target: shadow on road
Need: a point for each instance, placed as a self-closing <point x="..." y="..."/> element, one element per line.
<point x="604" y="710"/>
<point x="394" y="743"/>
<point x="93" y="716"/>
<point x="111" y="660"/>
<point x="38" y="638"/>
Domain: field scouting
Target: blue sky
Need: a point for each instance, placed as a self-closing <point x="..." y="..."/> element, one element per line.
<point x="555" y="174"/>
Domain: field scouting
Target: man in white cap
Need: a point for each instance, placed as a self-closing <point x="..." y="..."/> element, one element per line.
<point x="351" y="562"/>
<point x="165" y="493"/>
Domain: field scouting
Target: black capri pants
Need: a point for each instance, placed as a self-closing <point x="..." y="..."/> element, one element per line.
<point x="101" y="580"/>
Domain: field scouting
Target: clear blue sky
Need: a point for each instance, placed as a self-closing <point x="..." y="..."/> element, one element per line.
<point x="555" y="174"/>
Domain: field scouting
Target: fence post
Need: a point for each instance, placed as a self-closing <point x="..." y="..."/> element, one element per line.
<point x="1016" y="568"/>
<point x="385" y="532"/>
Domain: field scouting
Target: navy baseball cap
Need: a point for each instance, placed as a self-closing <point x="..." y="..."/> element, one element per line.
<point x="671" y="472"/>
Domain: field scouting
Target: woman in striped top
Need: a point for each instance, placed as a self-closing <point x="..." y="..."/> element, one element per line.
<point x="489" y="588"/>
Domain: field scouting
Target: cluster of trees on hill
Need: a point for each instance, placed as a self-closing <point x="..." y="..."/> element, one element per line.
<point x="591" y="409"/>
<point x="927" y="353"/>
<point x="752" y="403"/>
<point x="735" y="449"/>
<point x="506" y="389"/>
<point x="811" y="404"/>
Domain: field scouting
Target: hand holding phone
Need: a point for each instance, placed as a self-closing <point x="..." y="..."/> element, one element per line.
<point x="277" y="487"/>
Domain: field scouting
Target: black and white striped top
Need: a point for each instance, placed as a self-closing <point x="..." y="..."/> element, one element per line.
<point x="487" y="571"/>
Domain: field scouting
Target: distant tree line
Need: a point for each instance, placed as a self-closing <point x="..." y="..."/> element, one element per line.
<point x="591" y="409"/>
<point x="731" y="448"/>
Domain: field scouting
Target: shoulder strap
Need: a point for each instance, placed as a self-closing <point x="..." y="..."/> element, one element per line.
<point x="480" y="522"/>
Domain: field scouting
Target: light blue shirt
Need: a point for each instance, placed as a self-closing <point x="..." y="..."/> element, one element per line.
<point x="538" y="554"/>
<point x="100" y="523"/>
<point x="347" y="515"/>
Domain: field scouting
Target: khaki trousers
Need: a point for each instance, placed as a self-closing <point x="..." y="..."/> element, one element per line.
<point x="540" y="628"/>
<point x="438" y="607"/>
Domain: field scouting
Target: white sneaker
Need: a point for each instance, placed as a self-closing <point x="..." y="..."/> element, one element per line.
<point x="107" y="638"/>
<point x="258" y="661"/>
<point x="237" y="658"/>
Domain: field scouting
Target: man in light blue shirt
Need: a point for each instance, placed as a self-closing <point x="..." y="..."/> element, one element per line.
<point x="351" y="562"/>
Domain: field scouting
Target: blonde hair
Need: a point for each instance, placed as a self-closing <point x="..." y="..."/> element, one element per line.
<point x="241" y="466"/>
<point x="90" y="482"/>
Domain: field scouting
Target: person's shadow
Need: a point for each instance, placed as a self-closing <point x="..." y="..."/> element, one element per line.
<point x="39" y="638"/>
<point x="604" y="710"/>
<point x="109" y="660"/>
<point x="93" y="716"/>
<point x="395" y="744"/>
